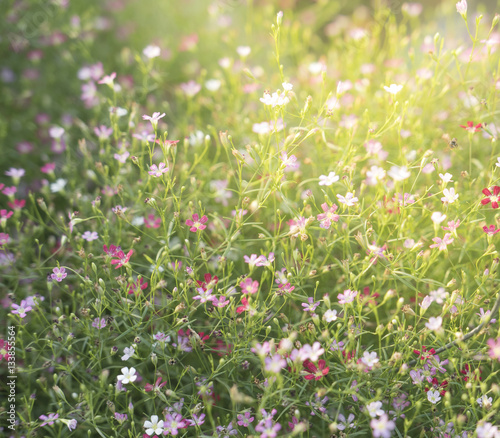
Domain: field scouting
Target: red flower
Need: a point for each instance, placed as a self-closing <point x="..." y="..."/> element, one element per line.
<point x="209" y="282"/>
<point x="427" y="355"/>
<point x="493" y="198"/>
<point x="471" y="128"/>
<point x="468" y="373"/>
<point x="492" y="230"/>
<point x="316" y="372"/>
<point x="243" y="308"/>
<point x="437" y="386"/>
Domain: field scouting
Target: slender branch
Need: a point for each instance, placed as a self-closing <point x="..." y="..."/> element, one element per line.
<point x="473" y="332"/>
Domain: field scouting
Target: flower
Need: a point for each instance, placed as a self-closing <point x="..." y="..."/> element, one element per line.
<point x="343" y="423"/>
<point x="446" y="178"/>
<point x="449" y="196"/>
<point x="370" y="359"/>
<point x="330" y="315"/>
<point x="153" y="426"/>
<point x="172" y="424"/>
<point x="438" y="217"/>
<point x="48" y="419"/>
<point x="58" y="274"/>
<point x="433" y="396"/>
<point x="470" y="125"/>
<point x="393" y="88"/>
<point x="274" y="364"/>
<point x="244" y="307"/>
<point x="325" y="180"/>
<point x="399" y="173"/>
<point x="99" y="324"/>
<point x="374" y="409"/>
<point x="328" y="216"/>
<point x="128" y="375"/>
<point x="4" y="350"/>
<point x="249" y="286"/>
<point x="15" y="173"/>
<point x="316" y="372"/>
<point x="491" y="231"/>
<point x="108" y="79"/>
<point x="148" y="387"/>
<point x="462" y="9"/>
<point x="452" y="226"/>
<point x="158" y="171"/>
<point x="89" y="236"/>
<point x="21" y="309"/>
<point x="494" y="348"/>
<point x="245" y="419"/>
<point x="196" y="223"/>
<point x="151" y="221"/>
<point x="204" y="295"/>
<point x="493" y="198"/>
<point x="129" y="352"/>
<point x="382" y="427"/>
<point x="310" y="306"/>
<point x="190" y="88"/>
<point x="484" y="401"/>
<point x="122" y="259"/>
<point x="154" y="118"/>
<point x="434" y="323"/>
<point x="442" y="243"/>
<point x="103" y="132"/>
<point x="348" y="200"/>
<point x="58" y="186"/>
<point x="71" y="424"/>
<point x="347" y="297"/>
<point x="151" y="52"/>
<point x="268" y="429"/>
<point x="220" y="302"/>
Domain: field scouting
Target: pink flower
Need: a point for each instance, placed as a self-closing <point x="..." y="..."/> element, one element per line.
<point x="103" y="132"/>
<point x="328" y="216"/>
<point x="491" y="231"/>
<point x="89" y="236"/>
<point x="494" y="348"/>
<point x="491" y="197"/>
<point x="197" y="223"/>
<point x="158" y="171"/>
<point x="442" y="243"/>
<point x="347" y="297"/>
<point x="452" y="226"/>
<point x="48" y="168"/>
<point x="4" y="350"/>
<point x="58" y="274"/>
<point x="4" y="239"/>
<point x="21" y="309"/>
<point x="135" y="288"/>
<point x="470" y="125"/>
<point x="249" y="286"/>
<point x="204" y="295"/>
<point x="122" y="259"/>
<point x="382" y="427"/>
<point x="154" y="118"/>
<point x="220" y="302"/>
<point x="148" y="387"/>
<point x="316" y="372"/>
<point x="108" y="79"/>
<point x="151" y="221"/>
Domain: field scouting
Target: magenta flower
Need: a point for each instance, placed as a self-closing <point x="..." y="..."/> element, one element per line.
<point x="151" y="221"/>
<point x="48" y="168"/>
<point x="249" y="286"/>
<point x="494" y="197"/>
<point x="196" y="223"/>
<point x="491" y="230"/>
<point x="58" y="274"/>
<point x="21" y="309"/>
<point x="174" y="422"/>
<point x="122" y="259"/>
<point x="158" y="171"/>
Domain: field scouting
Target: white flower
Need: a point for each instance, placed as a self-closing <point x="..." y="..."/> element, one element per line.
<point x="393" y="88"/>
<point x="487" y="430"/>
<point x="433" y="396"/>
<point x="287" y="86"/>
<point x="154" y="426"/>
<point x="439" y="295"/>
<point x="426" y="302"/>
<point x="374" y="409"/>
<point x="328" y="180"/>
<point x="56" y="132"/>
<point x="127" y="376"/>
<point x="484" y="401"/>
<point x="151" y="51"/>
<point x="447" y="177"/>
<point x="369" y="359"/>
<point x="243" y="51"/>
<point x="438" y="217"/>
<point x="399" y="173"/>
<point x="498" y="162"/>
<point x="213" y="84"/>
<point x="374" y="174"/>
<point x="129" y="352"/>
<point x="449" y="196"/>
<point x="462" y="8"/>
<point x="434" y="323"/>
<point x="330" y="315"/>
<point x="312" y="353"/>
<point x="348" y="200"/>
<point x="58" y="186"/>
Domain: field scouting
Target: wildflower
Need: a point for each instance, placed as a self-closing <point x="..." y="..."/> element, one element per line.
<point x="494" y="351"/>
<point x="21" y="309"/>
<point x="245" y="419"/>
<point x="312" y="353"/>
<point x="249" y="286"/>
<point x="4" y="350"/>
<point x="56" y="132"/>
<point x="449" y="196"/>
<point x="121" y="258"/>
<point x="275" y="363"/>
<point x="369" y="359"/>
<point x="485" y="429"/>
<point x="4" y="239"/>
<point x="151" y="221"/>
<point x="462" y="8"/>
<point x="158" y="171"/>
<point x="58" y="186"/>
<point x="276" y="99"/>
<point x="433" y="396"/>
<point x="90" y="235"/>
<point x="298" y="227"/>
<point x="417" y="376"/>
<point x="347" y="297"/>
<point x="151" y="52"/>
<point x="268" y="429"/>
<point x="71" y="424"/>
<point x="471" y="128"/>
<point x="220" y="302"/>
<point x="491" y="230"/>
<point x="310" y="306"/>
<point x="328" y="216"/>
<point x="374" y="409"/>
<point x="438" y="217"/>
<point x="190" y="88"/>
<point x="103" y="132"/>
<point x="172" y="424"/>
<point x="485" y="315"/>
<point x="197" y="420"/>
<point x="244" y="307"/>
<point x="330" y="315"/>
<point x="153" y="426"/>
<point x="99" y="324"/>
<point x="434" y="323"/>
<point x="442" y="243"/>
<point x="15" y="173"/>
<point x="382" y="427"/>
<point x="374" y="175"/>
<point x="484" y="401"/>
<point x="493" y="198"/>
<point x="108" y="79"/>
<point x="196" y="223"/>
<point x="204" y="295"/>
<point x="154" y="118"/>
<point x="209" y="282"/>
<point x="349" y="199"/>
<point x="121" y="418"/>
<point x="452" y="226"/>
<point x="127" y="376"/>
<point x="48" y="419"/>
<point x="290" y="162"/>
<point x="343" y="423"/>
<point x="128" y="353"/>
<point x="399" y="173"/>
<point x="446" y="178"/>
<point x="325" y="180"/>
<point x="393" y="88"/>
<point x="316" y="372"/>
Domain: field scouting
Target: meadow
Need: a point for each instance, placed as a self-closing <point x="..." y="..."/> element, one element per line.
<point x="249" y="218"/>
